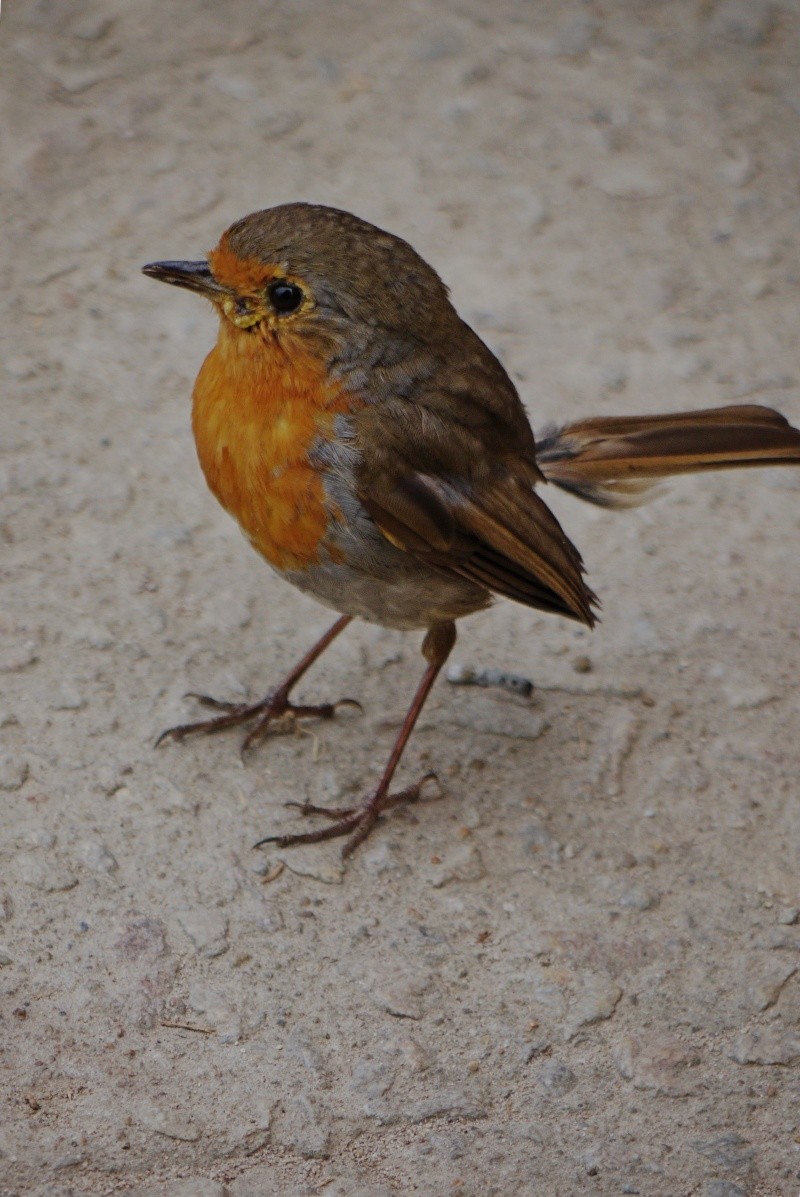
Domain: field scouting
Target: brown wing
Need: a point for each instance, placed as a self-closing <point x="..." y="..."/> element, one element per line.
<point x="499" y="535"/>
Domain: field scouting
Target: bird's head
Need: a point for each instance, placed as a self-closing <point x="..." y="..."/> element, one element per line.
<point x="312" y="271"/>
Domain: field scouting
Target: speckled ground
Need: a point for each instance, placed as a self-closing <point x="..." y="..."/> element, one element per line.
<point x="576" y="971"/>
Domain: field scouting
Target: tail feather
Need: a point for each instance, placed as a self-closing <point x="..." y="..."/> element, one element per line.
<point x="613" y="461"/>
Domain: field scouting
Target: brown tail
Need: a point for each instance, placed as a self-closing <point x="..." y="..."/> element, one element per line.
<point x="612" y="461"/>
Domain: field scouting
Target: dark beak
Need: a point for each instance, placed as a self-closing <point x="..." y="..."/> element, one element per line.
<point x="194" y="276"/>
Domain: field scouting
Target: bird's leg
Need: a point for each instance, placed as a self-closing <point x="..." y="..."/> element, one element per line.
<point x="357" y="822"/>
<point x="272" y="707"/>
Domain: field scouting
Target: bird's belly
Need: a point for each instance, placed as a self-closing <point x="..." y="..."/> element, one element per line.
<point x="413" y="596"/>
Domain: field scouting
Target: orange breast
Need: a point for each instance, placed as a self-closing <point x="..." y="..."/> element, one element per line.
<point x="259" y="406"/>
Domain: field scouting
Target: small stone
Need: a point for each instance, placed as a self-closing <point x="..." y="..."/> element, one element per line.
<point x="207" y="929"/>
<point x="723" y="1188"/>
<point x="556" y="1078"/>
<point x="506" y="719"/>
<point x="659" y="1064"/>
<point x="217" y="1011"/>
<point x="399" y="991"/>
<point x="93" y="634"/>
<point x="92" y="28"/>
<point x="638" y="898"/>
<point x="595" y="1001"/>
<point x="168" y="1124"/>
<point x="166" y="795"/>
<point x="5" y="956"/>
<point x="764" y="978"/>
<point x="18" y="656"/>
<point x="67" y="698"/>
<point x="743" y="22"/>
<point x="746" y="696"/>
<point x="96" y="856"/>
<point x="303" y="1126"/>
<point x="788" y="915"/>
<point x="462" y="863"/>
<point x="380" y="859"/>
<point x="629" y="179"/>
<point x="575" y="37"/>
<point x="450" y="1105"/>
<point x="582" y="664"/>
<point x="726" y="1151"/>
<point x="615" y="746"/>
<point x="738" y="171"/>
<point x="197" y="1186"/>
<point x="13" y="771"/>
<point x="315" y="864"/>
<point x="538" y="841"/>
<point x="44" y="875"/>
<point x="770" y="1045"/>
<point x="142" y="938"/>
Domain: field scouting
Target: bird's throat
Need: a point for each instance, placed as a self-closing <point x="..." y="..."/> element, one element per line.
<point x="259" y="408"/>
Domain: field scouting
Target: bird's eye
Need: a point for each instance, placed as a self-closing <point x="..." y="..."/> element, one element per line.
<point x="284" y="297"/>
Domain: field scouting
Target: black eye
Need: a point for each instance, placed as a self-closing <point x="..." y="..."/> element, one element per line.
<point x="284" y="297"/>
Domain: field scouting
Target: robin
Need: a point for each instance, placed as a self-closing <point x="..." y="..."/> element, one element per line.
<point x="376" y="453"/>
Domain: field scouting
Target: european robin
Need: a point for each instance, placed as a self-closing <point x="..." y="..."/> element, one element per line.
<point x="377" y="454"/>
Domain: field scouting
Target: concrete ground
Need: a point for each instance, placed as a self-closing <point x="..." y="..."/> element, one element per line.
<point x="576" y="970"/>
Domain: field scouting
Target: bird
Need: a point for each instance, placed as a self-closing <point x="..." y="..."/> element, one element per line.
<point x="377" y="455"/>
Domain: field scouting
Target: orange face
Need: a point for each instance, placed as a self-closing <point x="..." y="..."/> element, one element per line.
<point x="262" y="399"/>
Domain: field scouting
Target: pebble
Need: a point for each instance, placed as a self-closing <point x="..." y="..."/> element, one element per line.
<point x="556" y="1078"/>
<point x="348" y="1187"/>
<point x="726" y="1151"/>
<point x="303" y="1126"/>
<point x="168" y="1124"/>
<point x="92" y="28"/>
<point x="380" y="859"/>
<point x="738" y="171"/>
<point x="300" y="1045"/>
<point x="217" y="1010"/>
<point x="629" y="179"/>
<point x="768" y="1045"/>
<point x="399" y="991"/>
<point x="18" y="656"/>
<point x="747" y="696"/>
<point x="314" y="863"/>
<point x="595" y="1001"/>
<point x="659" y="1064"/>
<point x="723" y="1188"/>
<point x="448" y="1104"/>
<point x="638" y="898"/>
<point x="575" y="37"/>
<point x="764" y="977"/>
<point x="45" y="875"/>
<point x="5" y="956"/>
<point x="743" y="22"/>
<point x="166" y="795"/>
<point x="13" y="771"/>
<point x="207" y="929"/>
<point x="67" y="698"/>
<point x="788" y="915"/>
<point x="93" y="634"/>
<point x="196" y="1186"/>
<point x="615" y="745"/>
<point x="496" y="717"/>
<point x="142" y="938"/>
<point x="96" y="856"/>
<point x="461" y="863"/>
<point x="537" y="841"/>
<point x="371" y="1079"/>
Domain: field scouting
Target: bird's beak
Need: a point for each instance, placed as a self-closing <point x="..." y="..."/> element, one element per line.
<point x="194" y="276"/>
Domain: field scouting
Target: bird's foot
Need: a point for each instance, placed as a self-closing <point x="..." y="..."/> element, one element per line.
<point x="275" y="708"/>
<point x="355" y="822"/>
